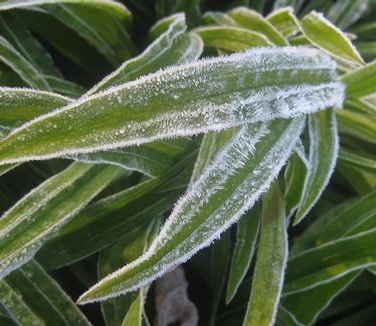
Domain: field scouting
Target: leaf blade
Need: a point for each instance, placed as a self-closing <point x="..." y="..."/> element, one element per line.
<point x="200" y="108"/>
<point x="173" y="244"/>
<point x="270" y="263"/>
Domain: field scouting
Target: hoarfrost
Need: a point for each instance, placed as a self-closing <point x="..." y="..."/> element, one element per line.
<point x="211" y="97"/>
<point x="199" y="232"/>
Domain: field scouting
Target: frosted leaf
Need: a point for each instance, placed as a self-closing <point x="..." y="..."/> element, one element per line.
<point x="226" y="189"/>
<point x="151" y="57"/>
<point x="258" y="85"/>
<point x="38" y="215"/>
<point x="10" y="4"/>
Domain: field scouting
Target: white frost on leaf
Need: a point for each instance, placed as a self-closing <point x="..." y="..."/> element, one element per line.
<point x="258" y="85"/>
<point x="228" y="187"/>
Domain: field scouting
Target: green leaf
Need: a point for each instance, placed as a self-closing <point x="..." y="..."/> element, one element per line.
<point x="231" y="38"/>
<point x="70" y="44"/>
<point x="171" y="47"/>
<point x="47" y="208"/>
<point x="323" y="151"/>
<point x="29" y="47"/>
<point x="253" y="21"/>
<point x="116" y="256"/>
<point x="282" y="82"/>
<point x="358" y="161"/>
<point x="219" y="264"/>
<point x="16" y="306"/>
<point x="31" y="291"/>
<point x="306" y="306"/>
<point x="246" y="236"/>
<point x="15" y="60"/>
<point x="284" y="21"/>
<point x="102" y="27"/>
<point x="329" y="38"/>
<point x="134" y="315"/>
<point x="359" y="125"/>
<point x="361" y="82"/>
<point x="295" y="175"/>
<point x="330" y="261"/>
<point x="218" y="18"/>
<point x="286" y="318"/>
<point x="130" y="211"/>
<point x="151" y="159"/>
<point x="349" y="218"/>
<point x="357" y="180"/>
<point x="229" y="186"/>
<point x="105" y="5"/>
<point x="23" y="105"/>
<point x="346" y="12"/>
<point x="20" y="105"/>
<point x="270" y="262"/>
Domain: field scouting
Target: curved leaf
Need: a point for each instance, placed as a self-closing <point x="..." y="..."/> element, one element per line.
<point x="231" y="38"/>
<point x="306" y="306"/>
<point x="323" y="152"/>
<point x="37" y="216"/>
<point x="33" y="290"/>
<point x="183" y="100"/>
<point x="361" y="82"/>
<point x="330" y="261"/>
<point x="169" y="48"/>
<point x="329" y="38"/>
<point x="115" y="7"/>
<point x="238" y="175"/>
<point x="253" y="21"/>
<point x="14" y="59"/>
<point x="270" y="263"/>
<point x="246" y="238"/>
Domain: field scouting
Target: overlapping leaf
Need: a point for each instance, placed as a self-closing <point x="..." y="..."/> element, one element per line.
<point x="208" y="207"/>
<point x="31" y="297"/>
<point x="274" y="83"/>
<point x="322" y="159"/>
<point x="59" y="198"/>
<point x="271" y="261"/>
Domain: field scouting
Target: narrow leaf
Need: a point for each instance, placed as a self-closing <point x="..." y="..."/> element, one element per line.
<point x="361" y="162"/>
<point x="339" y="222"/>
<point x="323" y="142"/>
<point x="14" y="59"/>
<point x="231" y="38"/>
<point x="38" y="215"/>
<point x="284" y="21"/>
<point x="346" y="12"/>
<point x="134" y="314"/>
<point x="360" y="125"/>
<point x="286" y="318"/>
<point x="229" y="186"/>
<point x="89" y="231"/>
<point x="270" y="262"/>
<point x="114" y="6"/>
<point x="253" y="21"/>
<point x="361" y="82"/>
<point x="169" y="48"/>
<point x="31" y="49"/>
<point x="111" y="258"/>
<point x="329" y="38"/>
<point x="330" y="261"/>
<point x="247" y="231"/>
<point x="39" y="293"/>
<point x="16" y="306"/>
<point x="295" y="175"/>
<point x="102" y="26"/>
<point x="306" y="306"/>
<point x="21" y="105"/>
<point x="282" y="82"/>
